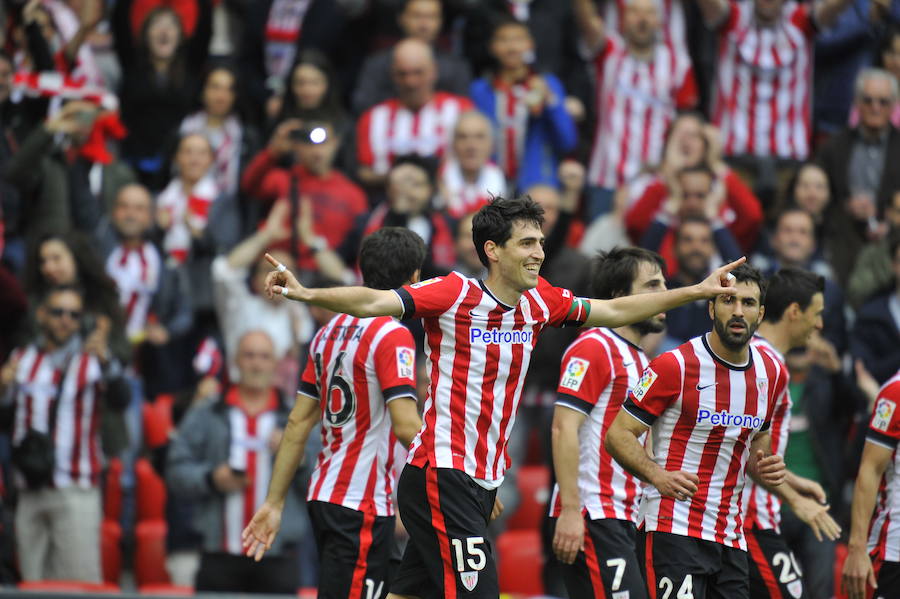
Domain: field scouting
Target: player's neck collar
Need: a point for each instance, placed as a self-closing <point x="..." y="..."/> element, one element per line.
<point x="724" y="362"/>
<point x="493" y="297"/>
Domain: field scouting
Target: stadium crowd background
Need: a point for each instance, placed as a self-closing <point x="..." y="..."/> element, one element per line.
<point x="151" y="150"/>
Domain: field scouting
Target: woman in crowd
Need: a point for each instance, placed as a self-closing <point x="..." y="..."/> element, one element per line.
<point x="221" y="121"/>
<point x="159" y="84"/>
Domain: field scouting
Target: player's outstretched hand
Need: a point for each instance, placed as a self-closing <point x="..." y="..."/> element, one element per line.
<point x="676" y="484"/>
<point x="816" y="516"/>
<point x="257" y="538"/>
<point x="281" y="281"/>
<point x="720" y="281"/>
<point x="770" y="470"/>
<point x="857" y="572"/>
<point x="568" y="538"/>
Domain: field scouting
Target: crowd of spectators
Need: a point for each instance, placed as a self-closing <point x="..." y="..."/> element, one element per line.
<point x="152" y="150"/>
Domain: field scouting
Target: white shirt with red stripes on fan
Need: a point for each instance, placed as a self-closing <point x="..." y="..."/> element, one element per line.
<point x="136" y="271"/>
<point x="704" y="414"/>
<point x="478" y="351"/>
<point x="636" y="100"/>
<point x="762" y="509"/>
<point x="250" y="452"/>
<point x="357" y="366"/>
<point x="763" y="82"/>
<point x="672" y="18"/>
<point x="598" y="370"/>
<point x="69" y="382"/>
<point x="884" y="430"/>
<point x="390" y="129"/>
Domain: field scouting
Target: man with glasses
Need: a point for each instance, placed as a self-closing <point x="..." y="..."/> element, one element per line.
<point x="857" y="159"/>
<point x="57" y="390"/>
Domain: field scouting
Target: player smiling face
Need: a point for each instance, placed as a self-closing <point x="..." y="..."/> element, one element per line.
<point x="736" y="318"/>
<point x="520" y="258"/>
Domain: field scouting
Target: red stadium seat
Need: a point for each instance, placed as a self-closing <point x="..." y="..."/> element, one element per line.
<point x="151" y="492"/>
<point x="157" y="421"/>
<point x="307" y="593"/>
<point x="69" y="586"/>
<point x="168" y="590"/>
<point x="533" y="483"/>
<point x="111" y="550"/>
<point x="112" y="491"/>
<point x="150" y="553"/>
<point x="520" y="562"/>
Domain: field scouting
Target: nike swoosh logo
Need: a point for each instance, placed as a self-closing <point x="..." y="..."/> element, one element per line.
<point x="699" y="388"/>
<point x="627" y="364"/>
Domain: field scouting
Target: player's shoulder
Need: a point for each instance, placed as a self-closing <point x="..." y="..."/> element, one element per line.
<point x="891" y="388"/>
<point x="590" y="342"/>
<point x="546" y="289"/>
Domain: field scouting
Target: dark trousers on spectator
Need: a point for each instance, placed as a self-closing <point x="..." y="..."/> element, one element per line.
<point x="223" y="572"/>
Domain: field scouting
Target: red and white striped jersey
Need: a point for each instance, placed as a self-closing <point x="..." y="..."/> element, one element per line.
<point x="704" y="413"/>
<point x="884" y="430"/>
<point x="763" y="81"/>
<point x="136" y="272"/>
<point x="355" y="367"/>
<point x="75" y="391"/>
<point x="636" y="101"/>
<point x="671" y="16"/>
<point x="478" y="354"/>
<point x="249" y="452"/>
<point x="762" y="509"/>
<point x="461" y="197"/>
<point x="598" y="370"/>
<point x="389" y="129"/>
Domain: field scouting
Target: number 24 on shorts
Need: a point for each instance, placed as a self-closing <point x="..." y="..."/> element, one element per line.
<point x="686" y="591"/>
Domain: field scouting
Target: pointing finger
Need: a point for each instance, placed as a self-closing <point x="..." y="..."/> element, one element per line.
<point x="273" y="261"/>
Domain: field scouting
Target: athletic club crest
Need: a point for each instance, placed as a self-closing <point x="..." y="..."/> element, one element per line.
<point x="762" y="385"/>
<point x="469" y="579"/>
<point x="795" y="588"/>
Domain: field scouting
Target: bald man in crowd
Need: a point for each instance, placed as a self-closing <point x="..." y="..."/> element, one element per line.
<point x="418" y="120"/>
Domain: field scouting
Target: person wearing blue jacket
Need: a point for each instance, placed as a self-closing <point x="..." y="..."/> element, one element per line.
<point x="533" y="131"/>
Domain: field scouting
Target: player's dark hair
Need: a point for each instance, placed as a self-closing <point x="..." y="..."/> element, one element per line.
<point x="750" y="274"/>
<point x="390" y="256"/>
<point x="789" y="286"/>
<point x="494" y="222"/>
<point x="614" y="272"/>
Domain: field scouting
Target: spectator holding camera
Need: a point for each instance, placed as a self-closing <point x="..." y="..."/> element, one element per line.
<point x="57" y="387"/>
<point x="305" y="151"/>
<point x="62" y="166"/>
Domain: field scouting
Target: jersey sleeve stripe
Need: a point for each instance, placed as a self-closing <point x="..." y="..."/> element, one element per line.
<point x="638" y="413"/>
<point x="407" y="303"/>
<point x="882" y="439"/>
<point x="309" y="389"/>
<point x="575" y="403"/>
<point x="398" y="391"/>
